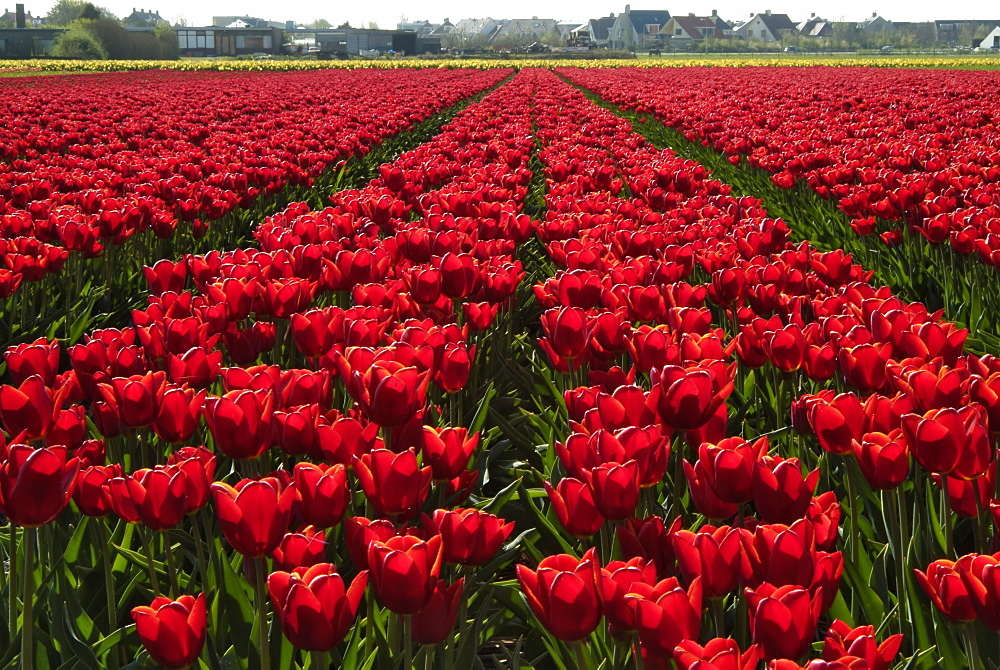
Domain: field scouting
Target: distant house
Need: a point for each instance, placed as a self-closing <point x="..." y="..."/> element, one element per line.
<point x="441" y="29"/>
<point x="681" y="31"/>
<point x="766" y="27"/>
<point x="144" y="19"/>
<point x="637" y="28"/>
<point x="471" y="29"/>
<point x="595" y="30"/>
<point x="10" y="17"/>
<point x="521" y="30"/>
<point x="991" y="41"/>
<point x="222" y="41"/>
<point x="815" y="27"/>
<point x="962" y="32"/>
<point x="875" y="24"/>
<point x="250" y="21"/>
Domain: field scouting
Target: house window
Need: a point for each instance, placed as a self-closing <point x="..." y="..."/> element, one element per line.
<point x="652" y="28"/>
<point x="678" y="31"/>
<point x="241" y="42"/>
<point x="763" y="34"/>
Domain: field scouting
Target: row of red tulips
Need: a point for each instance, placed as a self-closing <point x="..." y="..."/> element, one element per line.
<point x="420" y="289"/>
<point x="920" y="149"/>
<point x="939" y="412"/>
<point x="914" y="164"/>
<point x="78" y="186"/>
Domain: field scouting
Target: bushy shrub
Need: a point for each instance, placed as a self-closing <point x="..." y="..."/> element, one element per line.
<point x="79" y="42"/>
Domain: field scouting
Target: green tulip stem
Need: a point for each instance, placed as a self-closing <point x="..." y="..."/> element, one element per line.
<point x="949" y="533"/>
<point x="971" y="646"/>
<point x="13" y="613"/>
<point x="171" y="564"/>
<point x="369" y="638"/>
<point x="581" y="661"/>
<point x="260" y="595"/>
<point x="103" y="543"/>
<point x="28" y="601"/>
<point x="318" y="660"/>
<point x="199" y="550"/>
<point x="147" y="546"/>
<point x="407" y="640"/>
<point x="719" y="616"/>
<point x="852" y="495"/>
<point x="899" y="551"/>
<point x="640" y="664"/>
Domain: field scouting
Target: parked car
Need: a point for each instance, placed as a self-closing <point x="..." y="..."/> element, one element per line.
<point x="791" y="49"/>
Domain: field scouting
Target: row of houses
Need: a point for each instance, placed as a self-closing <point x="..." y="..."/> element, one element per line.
<point x="635" y="28"/>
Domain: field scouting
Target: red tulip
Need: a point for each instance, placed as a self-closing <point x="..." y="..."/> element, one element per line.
<point x="981" y="577"/>
<point x="179" y="414"/>
<point x="389" y="393"/>
<point x="650" y="539"/>
<point x="717" y="654"/>
<point x="156" y="498"/>
<point x="944" y="585"/>
<point x="781" y="492"/>
<point x="949" y="439"/>
<point x="40" y="357"/>
<point x="254" y="515"/>
<point x="404" y="570"/>
<point x="436" y="620"/>
<point x="567" y="332"/>
<point x="36" y="484"/>
<point x="394" y="483"/>
<point x="688" y="398"/>
<point x="241" y="422"/>
<point x="714" y="554"/>
<point x="574" y="506"/>
<point x="666" y="614"/>
<point x="618" y="579"/>
<point x="447" y="450"/>
<point x="884" y="459"/>
<point x="322" y="494"/>
<point x="172" y="631"/>
<point x="29" y="408"/>
<point x="564" y="594"/>
<point x="314" y="608"/>
<point x="91" y="492"/>
<point x="844" y="642"/>
<point x="783" y="620"/>
<point x="615" y="489"/>
<point x="359" y="532"/>
<point x="302" y="549"/>
<point x="470" y="536"/>
<point x="135" y="399"/>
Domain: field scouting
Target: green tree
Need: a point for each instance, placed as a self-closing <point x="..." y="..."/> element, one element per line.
<point x="78" y="42"/>
<point x="321" y="24"/>
<point x="64" y="12"/>
<point x="345" y="24"/>
<point x="117" y="42"/>
<point x="89" y="12"/>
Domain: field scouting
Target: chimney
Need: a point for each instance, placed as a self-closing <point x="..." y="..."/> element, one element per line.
<point x="628" y="8"/>
<point x="768" y="12"/>
<point x="19" y="16"/>
<point x="690" y="13"/>
<point x="874" y="15"/>
<point x="812" y="15"/>
<point x="715" y="12"/>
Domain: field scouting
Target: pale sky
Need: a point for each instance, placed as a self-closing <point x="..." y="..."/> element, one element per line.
<point x="389" y="12"/>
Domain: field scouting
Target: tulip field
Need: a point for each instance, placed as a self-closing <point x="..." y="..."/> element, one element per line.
<point x="494" y="367"/>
